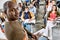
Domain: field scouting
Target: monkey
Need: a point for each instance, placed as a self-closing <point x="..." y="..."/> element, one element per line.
<point x="13" y="28"/>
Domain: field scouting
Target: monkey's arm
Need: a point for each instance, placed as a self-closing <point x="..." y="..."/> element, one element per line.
<point x="29" y="33"/>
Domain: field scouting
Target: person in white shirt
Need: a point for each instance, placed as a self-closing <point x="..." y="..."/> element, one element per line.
<point x="32" y="8"/>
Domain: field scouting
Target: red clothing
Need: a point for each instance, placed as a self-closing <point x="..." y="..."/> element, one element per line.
<point x="52" y="16"/>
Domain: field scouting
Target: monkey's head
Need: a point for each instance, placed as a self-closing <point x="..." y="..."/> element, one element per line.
<point x="10" y="9"/>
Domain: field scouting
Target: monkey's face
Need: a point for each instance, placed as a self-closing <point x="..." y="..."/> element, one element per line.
<point x="10" y="10"/>
<point x="12" y="14"/>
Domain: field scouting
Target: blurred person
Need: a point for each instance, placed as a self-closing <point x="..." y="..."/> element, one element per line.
<point x="33" y="2"/>
<point x="53" y="2"/>
<point x="50" y="22"/>
<point x="53" y="14"/>
<point x="27" y="17"/>
<point x="46" y="13"/>
<point x="2" y="35"/>
<point x="36" y="8"/>
<point x="32" y="9"/>
<point x="2" y="19"/>
<point x="49" y="5"/>
<point x="2" y="24"/>
<point x="27" y="2"/>
<point x="21" y="8"/>
<point x="13" y="28"/>
<point x="37" y="3"/>
<point x="46" y="33"/>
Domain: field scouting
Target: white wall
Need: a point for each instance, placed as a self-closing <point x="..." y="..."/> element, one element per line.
<point x="1" y="3"/>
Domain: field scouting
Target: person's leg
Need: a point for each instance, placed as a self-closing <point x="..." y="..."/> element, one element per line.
<point x="42" y="38"/>
<point x="28" y="27"/>
<point x="45" y="21"/>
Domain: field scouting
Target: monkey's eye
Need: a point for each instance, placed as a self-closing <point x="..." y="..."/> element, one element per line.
<point x="12" y="10"/>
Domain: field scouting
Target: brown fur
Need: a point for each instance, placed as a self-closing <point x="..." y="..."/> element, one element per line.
<point x="10" y="11"/>
<point x="14" y="31"/>
<point x="13" y="28"/>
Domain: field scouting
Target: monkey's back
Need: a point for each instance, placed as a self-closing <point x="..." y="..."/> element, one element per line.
<point x="14" y="31"/>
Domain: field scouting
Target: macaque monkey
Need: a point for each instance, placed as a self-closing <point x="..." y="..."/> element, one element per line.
<point x="13" y="28"/>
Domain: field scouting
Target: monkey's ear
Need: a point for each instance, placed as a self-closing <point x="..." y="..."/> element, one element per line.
<point x="8" y="4"/>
